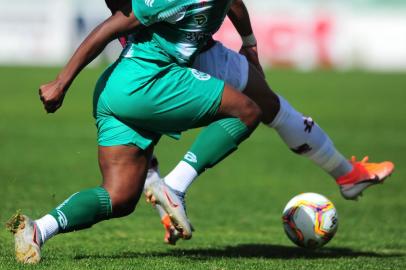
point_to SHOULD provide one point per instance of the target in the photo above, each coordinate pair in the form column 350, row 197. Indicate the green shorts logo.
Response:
column 200, row 75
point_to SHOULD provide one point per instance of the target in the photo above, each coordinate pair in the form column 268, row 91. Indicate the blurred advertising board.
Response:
column 35, row 32
column 341, row 34
column 314, row 34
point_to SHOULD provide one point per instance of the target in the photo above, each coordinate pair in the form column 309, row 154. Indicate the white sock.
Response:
column 181, row 177
column 304, row 137
column 48, row 226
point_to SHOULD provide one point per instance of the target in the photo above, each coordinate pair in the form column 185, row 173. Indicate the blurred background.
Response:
column 304, row 34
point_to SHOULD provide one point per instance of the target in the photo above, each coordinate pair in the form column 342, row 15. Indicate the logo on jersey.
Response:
column 200, row 75
column 149, row 3
column 200, row 19
column 190, row 157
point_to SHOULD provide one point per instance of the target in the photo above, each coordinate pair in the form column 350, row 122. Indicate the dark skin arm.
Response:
column 121, row 22
column 239, row 16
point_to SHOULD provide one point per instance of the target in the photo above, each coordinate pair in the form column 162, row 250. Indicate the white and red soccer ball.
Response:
column 310, row 220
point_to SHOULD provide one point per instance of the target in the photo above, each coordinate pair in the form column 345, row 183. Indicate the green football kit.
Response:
column 149, row 90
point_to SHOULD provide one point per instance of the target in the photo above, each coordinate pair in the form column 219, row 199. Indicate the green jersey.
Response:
column 177, row 29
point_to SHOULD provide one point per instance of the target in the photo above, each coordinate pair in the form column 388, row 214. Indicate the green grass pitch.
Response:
column 236, row 207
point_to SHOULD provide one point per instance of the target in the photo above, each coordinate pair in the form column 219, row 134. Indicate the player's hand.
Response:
column 251, row 52
column 52, row 95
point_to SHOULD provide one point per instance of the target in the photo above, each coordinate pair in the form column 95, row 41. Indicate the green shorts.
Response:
column 137, row 101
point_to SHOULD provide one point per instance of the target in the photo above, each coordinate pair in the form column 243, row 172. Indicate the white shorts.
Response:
column 224, row 64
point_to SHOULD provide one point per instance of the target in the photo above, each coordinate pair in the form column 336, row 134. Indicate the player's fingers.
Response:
column 51, row 110
column 48, row 108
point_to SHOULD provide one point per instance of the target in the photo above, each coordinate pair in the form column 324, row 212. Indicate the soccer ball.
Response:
column 310, row 220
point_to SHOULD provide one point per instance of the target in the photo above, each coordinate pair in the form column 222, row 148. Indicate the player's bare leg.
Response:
column 123, row 168
column 235, row 104
column 259, row 91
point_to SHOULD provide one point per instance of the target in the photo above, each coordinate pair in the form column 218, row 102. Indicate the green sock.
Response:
column 216, row 142
column 83, row 209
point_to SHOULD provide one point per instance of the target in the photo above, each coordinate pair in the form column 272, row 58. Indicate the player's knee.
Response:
column 251, row 114
column 123, row 207
column 123, row 203
column 123, row 210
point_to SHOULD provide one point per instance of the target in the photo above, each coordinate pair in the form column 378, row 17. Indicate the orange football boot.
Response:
column 362, row 176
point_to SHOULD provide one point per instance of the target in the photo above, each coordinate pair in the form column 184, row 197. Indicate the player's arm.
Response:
column 240, row 18
column 120, row 23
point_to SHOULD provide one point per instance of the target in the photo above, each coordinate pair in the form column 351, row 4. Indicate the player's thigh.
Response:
column 176, row 99
column 124, row 169
column 224, row 64
column 235, row 70
column 113, row 131
column 191, row 98
column 238, row 105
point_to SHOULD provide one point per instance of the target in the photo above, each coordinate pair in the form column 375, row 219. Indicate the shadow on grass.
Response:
column 251, row 251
